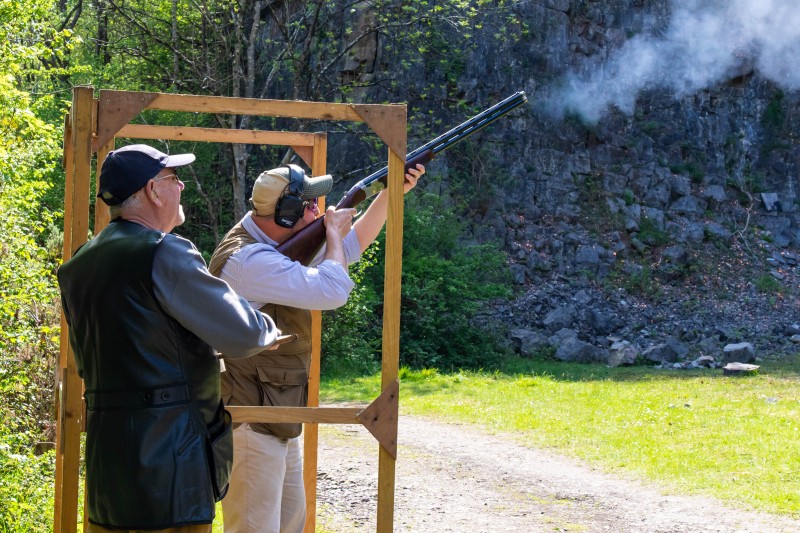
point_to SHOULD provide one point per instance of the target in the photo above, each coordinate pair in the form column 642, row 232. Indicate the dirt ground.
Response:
column 454, row 478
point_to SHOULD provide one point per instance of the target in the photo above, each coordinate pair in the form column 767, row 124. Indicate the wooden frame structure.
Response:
column 92, row 126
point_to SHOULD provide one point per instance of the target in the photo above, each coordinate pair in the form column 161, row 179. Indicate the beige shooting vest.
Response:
column 273, row 377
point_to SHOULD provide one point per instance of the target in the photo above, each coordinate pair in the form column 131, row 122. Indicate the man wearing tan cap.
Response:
column 266, row 492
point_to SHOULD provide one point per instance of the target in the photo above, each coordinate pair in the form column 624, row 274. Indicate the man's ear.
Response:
column 152, row 195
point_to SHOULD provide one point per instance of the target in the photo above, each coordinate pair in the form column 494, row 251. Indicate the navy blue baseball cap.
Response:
column 129, row 168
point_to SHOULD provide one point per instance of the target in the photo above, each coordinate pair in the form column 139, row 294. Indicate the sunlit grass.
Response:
column 736, row 438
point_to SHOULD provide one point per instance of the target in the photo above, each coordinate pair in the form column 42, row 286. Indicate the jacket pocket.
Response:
column 219, row 444
column 284, row 387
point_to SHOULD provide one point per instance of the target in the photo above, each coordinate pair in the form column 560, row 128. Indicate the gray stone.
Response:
column 742, row 352
column 688, row 205
column 518, row 273
column 739, row 369
column 529, row 342
column 716, row 231
column 705, row 361
column 622, row 353
column 770, row 201
column 578, row 351
column 695, row 232
column 715, row 194
column 602, row 323
column 587, row 258
column 676, row 254
column 561, row 336
column 680, row 186
column 561, row 317
column 657, row 197
column 669, row 351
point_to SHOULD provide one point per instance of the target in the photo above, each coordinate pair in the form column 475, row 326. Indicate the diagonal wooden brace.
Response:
column 117, row 109
column 380, row 418
column 388, row 122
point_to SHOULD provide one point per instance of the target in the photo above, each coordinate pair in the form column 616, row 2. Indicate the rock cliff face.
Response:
column 652, row 182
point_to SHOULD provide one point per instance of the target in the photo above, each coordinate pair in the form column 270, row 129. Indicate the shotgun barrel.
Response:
column 306, row 243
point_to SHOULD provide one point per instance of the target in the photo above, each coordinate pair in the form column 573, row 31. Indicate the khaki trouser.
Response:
column 266, row 493
column 202, row 528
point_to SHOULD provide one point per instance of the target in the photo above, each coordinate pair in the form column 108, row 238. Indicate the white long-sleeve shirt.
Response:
column 261, row 274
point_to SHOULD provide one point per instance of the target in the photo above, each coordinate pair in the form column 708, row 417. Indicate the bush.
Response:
column 444, row 285
column 351, row 335
column 26, row 485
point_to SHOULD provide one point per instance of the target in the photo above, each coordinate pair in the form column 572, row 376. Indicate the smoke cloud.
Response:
column 706, row 43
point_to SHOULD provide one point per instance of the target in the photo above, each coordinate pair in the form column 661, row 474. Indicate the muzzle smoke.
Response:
column 706, row 42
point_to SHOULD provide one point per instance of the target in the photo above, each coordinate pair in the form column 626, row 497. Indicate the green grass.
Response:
column 736, row 438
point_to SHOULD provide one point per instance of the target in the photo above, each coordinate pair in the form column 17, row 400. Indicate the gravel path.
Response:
column 454, row 478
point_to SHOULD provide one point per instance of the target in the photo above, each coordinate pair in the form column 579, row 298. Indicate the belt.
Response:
column 137, row 399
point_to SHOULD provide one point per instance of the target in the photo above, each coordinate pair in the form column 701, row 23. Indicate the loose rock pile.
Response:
column 725, row 304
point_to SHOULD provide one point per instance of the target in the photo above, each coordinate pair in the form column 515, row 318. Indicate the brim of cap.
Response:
column 317, row 186
column 179, row 160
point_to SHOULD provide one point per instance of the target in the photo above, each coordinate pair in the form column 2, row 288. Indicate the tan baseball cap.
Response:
column 271, row 185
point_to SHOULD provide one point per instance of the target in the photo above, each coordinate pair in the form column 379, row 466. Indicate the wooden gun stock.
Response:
column 304, row 245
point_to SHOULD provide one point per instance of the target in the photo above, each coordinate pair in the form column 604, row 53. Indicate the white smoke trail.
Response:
column 706, row 43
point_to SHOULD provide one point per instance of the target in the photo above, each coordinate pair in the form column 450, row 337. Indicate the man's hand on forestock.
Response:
column 412, row 176
column 338, row 221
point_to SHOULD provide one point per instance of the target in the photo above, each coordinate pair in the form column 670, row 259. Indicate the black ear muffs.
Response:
column 291, row 206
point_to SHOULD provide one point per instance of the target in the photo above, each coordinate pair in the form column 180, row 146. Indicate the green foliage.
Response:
column 694, row 170
column 640, row 281
column 351, row 335
column 767, row 284
column 774, row 115
column 26, row 485
column 650, row 234
column 32, row 52
column 629, row 197
column 445, row 283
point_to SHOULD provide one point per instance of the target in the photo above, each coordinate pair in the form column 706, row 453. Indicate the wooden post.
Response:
column 391, row 328
column 76, row 228
column 311, row 431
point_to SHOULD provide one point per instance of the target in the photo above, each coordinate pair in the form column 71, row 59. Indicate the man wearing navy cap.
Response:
column 145, row 317
column 266, row 491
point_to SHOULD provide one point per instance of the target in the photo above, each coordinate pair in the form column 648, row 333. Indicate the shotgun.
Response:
column 304, row 245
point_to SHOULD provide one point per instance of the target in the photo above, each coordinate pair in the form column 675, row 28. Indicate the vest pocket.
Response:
column 219, row 444
column 284, row 387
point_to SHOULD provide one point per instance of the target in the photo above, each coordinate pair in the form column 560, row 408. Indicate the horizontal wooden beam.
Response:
column 256, row 106
column 187, row 133
column 306, row 415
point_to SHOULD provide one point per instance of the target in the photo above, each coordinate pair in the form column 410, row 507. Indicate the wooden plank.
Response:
column 82, row 123
column 393, row 270
column 306, row 415
column 222, row 135
column 391, row 326
column 64, row 340
column 102, row 215
column 386, row 482
column 255, row 106
column 319, row 165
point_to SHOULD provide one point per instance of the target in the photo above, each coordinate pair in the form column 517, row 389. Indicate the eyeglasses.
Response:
column 168, row 176
column 310, row 204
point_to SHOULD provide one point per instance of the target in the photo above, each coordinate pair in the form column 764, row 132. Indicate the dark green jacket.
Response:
column 158, row 442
